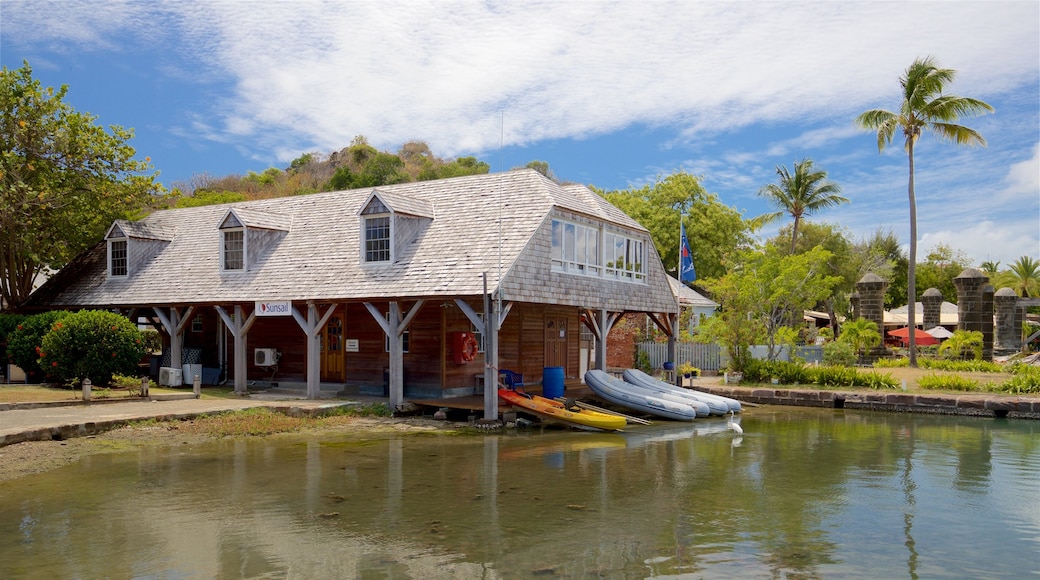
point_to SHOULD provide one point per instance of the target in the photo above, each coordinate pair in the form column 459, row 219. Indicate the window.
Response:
column 377, row 239
column 478, row 333
column 117, row 263
column 196, row 323
column 576, row 249
column 406, row 337
column 234, row 255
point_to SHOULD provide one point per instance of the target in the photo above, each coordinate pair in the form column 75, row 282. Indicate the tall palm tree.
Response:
column 800, row 194
column 1024, row 276
column 924, row 107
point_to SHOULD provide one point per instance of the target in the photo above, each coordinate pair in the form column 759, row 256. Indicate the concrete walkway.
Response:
column 49, row 421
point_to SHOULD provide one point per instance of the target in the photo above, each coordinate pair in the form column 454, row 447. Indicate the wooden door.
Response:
column 556, row 341
column 332, row 350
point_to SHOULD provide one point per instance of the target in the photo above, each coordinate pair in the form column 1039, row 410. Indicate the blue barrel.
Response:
column 552, row 382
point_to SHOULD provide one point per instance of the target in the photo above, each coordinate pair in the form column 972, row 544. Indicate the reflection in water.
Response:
column 804, row 493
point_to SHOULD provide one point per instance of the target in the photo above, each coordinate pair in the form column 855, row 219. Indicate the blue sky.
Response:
column 610, row 94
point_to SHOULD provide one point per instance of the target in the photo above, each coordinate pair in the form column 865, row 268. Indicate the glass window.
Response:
column 577, row 249
column 377, row 239
column 117, row 257
column 234, row 250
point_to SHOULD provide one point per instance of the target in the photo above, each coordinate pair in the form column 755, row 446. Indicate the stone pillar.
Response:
column 972, row 313
column 871, row 306
column 1007, row 336
column 931, row 303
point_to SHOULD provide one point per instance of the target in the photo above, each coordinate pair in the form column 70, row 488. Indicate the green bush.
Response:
column 92, row 344
column 892, row 363
column 948, row 383
column 839, row 353
column 876, row 380
column 1025, row 380
column 8, row 324
column 153, row 341
column 25, row 343
column 835, row 376
column 972, row 366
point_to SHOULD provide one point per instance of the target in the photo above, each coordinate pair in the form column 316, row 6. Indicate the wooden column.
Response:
column 394, row 325
column 491, row 324
column 174, row 323
column 312, row 326
column 239, row 328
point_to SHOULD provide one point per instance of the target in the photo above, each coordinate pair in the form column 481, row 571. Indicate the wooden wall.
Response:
column 429, row 361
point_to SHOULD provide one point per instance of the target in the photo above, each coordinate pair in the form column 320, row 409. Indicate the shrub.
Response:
column 948, row 383
column 8, row 324
column 835, row 376
column 876, row 380
column 892, row 363
column 973, row 366
column 1025, row 380
column 92, row 344
column 839, row 353
column 25, row 343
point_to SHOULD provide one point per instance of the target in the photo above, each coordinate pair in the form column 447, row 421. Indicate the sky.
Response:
column 609, row 94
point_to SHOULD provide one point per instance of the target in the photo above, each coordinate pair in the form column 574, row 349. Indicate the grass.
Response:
column 43, row 393
column 915, row 376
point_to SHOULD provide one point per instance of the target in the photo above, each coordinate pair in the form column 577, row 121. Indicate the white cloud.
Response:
column 444, row 70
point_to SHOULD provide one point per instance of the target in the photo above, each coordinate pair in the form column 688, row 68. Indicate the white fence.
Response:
column 711, row 357
column 707, row 357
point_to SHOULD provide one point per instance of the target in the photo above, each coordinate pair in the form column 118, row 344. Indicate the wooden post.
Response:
column 86, row 390
column 144, row 387
column 196, row 386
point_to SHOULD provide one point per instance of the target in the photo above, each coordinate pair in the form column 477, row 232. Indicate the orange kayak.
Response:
column 555, row 411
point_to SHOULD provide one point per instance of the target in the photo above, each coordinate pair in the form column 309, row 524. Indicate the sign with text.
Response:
column 283, row 308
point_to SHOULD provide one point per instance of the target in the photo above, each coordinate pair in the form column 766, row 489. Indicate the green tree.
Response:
column 716, row 231
column 1024, row 277
column 941, row 266
column 962, row 344
column 760, row 292
column 63, row 180
column 923, row 107
column 205, row 197
column 861, row 334
column 800, row 194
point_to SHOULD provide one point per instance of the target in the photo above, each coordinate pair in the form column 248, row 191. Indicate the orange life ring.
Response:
column 469, row 348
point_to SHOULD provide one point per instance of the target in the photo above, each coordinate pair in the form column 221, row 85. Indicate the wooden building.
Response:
column 423, row 289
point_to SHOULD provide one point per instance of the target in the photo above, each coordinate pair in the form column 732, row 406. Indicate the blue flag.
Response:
column 687, row 273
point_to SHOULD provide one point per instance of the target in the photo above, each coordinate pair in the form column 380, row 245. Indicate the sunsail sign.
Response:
column 283, row 308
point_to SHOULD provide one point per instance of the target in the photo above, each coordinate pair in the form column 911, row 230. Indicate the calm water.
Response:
column 805, row 493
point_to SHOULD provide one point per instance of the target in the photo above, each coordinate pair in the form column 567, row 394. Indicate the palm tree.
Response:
column 1025, row 276
column 991, row 268
column 800, row 194
column 923, row 107
column 861, row 334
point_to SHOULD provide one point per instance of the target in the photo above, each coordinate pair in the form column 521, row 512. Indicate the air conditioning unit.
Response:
column 170, row 377
column 265, row 357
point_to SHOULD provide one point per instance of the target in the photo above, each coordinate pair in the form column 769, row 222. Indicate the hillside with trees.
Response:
column 355, row 166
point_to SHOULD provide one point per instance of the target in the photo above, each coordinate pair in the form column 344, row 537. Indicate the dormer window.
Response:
column 377, row 239
column 233, row 257
column 117, row 257
column 390, row 224
column 248, row 236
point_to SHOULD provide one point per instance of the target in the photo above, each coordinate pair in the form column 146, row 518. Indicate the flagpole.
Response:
column 678, row 271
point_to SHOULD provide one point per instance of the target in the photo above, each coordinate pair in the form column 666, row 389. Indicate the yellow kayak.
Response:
column 555, row 411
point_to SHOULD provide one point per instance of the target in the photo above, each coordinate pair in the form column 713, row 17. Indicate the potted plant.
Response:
column 688, row 371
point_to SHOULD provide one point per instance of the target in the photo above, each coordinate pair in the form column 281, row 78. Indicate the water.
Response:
column 805, row 493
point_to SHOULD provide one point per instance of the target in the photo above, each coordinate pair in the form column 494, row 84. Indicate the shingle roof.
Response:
column 688, row 296
column 485, row 223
